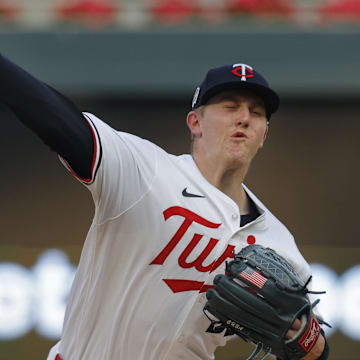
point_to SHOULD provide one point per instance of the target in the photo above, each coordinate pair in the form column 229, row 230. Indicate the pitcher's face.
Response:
column 232, row 126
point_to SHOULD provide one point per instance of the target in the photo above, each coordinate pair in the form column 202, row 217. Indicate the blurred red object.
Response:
column 213, row 13
column 342, row 10
column 8, row 12
column 260, row 7
column 94, row 12
column 174, row 11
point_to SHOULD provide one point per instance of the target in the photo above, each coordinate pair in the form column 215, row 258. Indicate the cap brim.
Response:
column 270, row 97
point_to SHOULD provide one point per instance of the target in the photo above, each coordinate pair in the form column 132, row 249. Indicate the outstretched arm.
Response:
column 52, row 116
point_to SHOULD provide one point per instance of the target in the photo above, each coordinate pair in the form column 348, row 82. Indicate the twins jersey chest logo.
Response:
column 177, row 285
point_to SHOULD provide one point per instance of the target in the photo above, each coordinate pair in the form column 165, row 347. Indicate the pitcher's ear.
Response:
column 193, row 122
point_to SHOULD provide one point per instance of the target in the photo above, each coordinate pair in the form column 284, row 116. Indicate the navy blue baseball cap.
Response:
column 236, row 76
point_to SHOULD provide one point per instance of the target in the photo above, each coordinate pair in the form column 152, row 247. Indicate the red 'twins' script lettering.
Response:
column 177, row 285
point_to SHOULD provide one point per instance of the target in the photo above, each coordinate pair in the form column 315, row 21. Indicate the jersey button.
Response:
column 251, row 239
column 234, row 216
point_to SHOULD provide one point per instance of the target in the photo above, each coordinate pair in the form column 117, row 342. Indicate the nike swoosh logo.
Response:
column 187, row 194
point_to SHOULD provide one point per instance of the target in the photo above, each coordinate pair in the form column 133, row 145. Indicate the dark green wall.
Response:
column 297, row 63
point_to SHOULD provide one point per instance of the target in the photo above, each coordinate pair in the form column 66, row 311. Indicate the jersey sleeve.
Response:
column 123, row 169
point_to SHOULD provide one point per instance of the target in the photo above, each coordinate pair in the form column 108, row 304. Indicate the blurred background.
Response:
column 136, row 64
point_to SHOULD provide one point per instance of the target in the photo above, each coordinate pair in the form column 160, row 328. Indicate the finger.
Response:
column 296, row 324
column 290, row 334
column 295, row 327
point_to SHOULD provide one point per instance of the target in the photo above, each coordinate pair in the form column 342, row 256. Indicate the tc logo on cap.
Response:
column 243, row 71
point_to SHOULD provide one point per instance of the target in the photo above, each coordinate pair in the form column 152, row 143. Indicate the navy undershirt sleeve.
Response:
column 52, row 116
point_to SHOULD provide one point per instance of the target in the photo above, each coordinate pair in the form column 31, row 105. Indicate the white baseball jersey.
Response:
column 160, row 234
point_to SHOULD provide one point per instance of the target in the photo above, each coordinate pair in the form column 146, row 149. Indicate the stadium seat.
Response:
column 260, row 7
column 343, row 11
column 8, row 12
column 93, row 12
column 173, row 11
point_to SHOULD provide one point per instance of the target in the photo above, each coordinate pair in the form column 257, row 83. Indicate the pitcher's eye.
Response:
column 230, row 105
column 257, row 112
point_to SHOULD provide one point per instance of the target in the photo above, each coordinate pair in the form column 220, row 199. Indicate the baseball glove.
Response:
column 258, row 299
